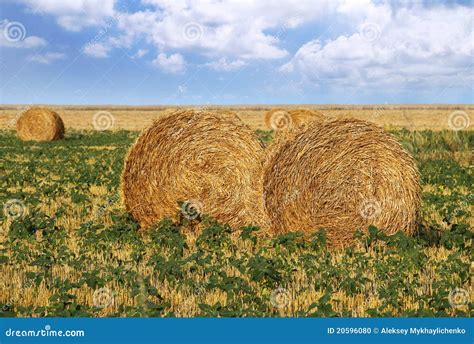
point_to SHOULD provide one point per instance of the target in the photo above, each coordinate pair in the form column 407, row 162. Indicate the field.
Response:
column 413, row 117
column 68, row 248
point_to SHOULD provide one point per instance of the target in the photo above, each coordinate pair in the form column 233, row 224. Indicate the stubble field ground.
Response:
column 71, row 249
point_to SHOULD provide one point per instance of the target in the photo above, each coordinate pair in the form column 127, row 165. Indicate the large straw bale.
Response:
column 341, row 175
column 210, row 161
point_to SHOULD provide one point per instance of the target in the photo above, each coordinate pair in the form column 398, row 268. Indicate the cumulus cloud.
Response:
column 222, row 65
column 243, row 30
column 391, row 47
column 47, row 58
column 74, row 15
column 101, row 46
column 27, row 43
column 373, row 43
column 97, row 50
column 170, row 64
column 140, row 53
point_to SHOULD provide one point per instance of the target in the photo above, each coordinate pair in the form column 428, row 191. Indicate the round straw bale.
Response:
column 282, row 120
column 342, row 175
column 299, row 119
column 210, row 161
column 40, row 124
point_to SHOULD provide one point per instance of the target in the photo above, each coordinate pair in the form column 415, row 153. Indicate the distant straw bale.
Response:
column 283, row 120
column 40, row 124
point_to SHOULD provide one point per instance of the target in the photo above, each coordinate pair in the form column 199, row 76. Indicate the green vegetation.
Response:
column 68, row 248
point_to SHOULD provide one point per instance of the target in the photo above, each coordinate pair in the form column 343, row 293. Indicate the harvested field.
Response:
column 413, row 117
column 70, row 248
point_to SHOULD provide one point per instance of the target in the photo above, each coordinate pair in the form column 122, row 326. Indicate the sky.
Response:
column 171, row 52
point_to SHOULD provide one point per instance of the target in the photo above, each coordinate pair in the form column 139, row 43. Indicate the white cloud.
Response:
column 140, row 53
column 73, row 15
column 28, row 43
column 241, row 30
column 98, row 50
column 100, row 47
column 47, row 58
column 431, row 45
column 222, row 65
column 14, row 35
column 375, row 43
column 170, row 64
column 238, row 30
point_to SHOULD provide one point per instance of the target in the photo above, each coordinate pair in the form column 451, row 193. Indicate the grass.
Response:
column 75, row 252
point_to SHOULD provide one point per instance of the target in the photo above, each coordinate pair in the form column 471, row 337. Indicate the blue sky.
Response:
column 236, row 52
